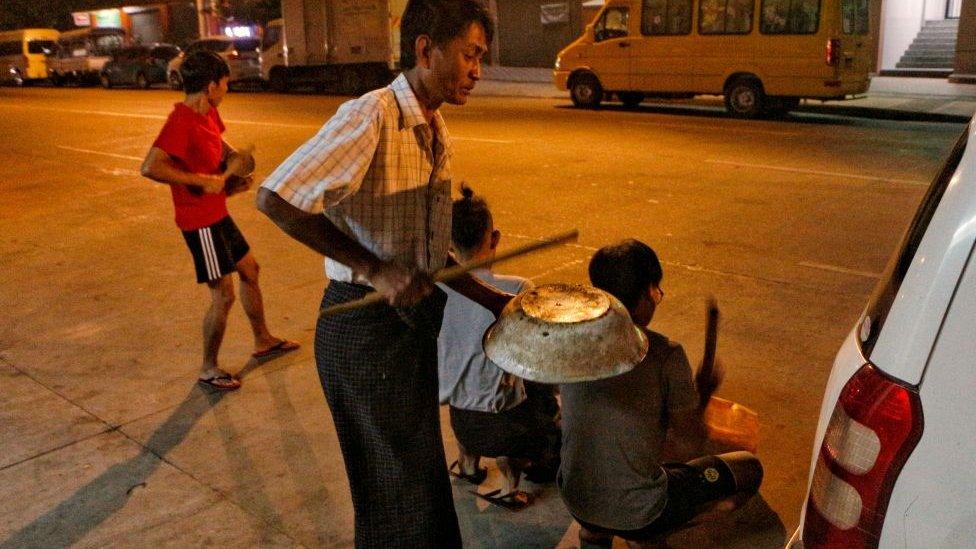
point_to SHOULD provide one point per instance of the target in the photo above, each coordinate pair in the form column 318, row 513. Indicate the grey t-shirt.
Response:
column 468, row 379
column 613, row 433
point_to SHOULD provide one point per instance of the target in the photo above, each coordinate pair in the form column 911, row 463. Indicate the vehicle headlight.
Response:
column 559, row 62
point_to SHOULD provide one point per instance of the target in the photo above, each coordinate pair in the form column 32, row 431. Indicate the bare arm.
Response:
column 399, row 285
column 160, row 167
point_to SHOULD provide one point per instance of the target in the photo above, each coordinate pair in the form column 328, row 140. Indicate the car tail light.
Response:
column 875, row 426
column 832, row 52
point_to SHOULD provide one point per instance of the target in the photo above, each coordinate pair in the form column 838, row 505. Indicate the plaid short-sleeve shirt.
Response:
column 382, row 175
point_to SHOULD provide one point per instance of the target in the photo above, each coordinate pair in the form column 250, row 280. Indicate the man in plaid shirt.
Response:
column 371, row 192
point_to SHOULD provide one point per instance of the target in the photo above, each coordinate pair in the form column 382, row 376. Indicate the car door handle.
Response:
column 624, row 44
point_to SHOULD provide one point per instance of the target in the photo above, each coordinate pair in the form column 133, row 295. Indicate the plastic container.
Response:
column 731, row 426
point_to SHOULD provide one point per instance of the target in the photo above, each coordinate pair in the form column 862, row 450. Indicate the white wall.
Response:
column 935, row 10
column 900, row 22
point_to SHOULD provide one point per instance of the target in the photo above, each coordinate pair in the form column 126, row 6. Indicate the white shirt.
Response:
column 377, row 172
column 468, row 379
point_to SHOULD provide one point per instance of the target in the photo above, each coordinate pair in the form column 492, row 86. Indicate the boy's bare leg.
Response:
column 215, row 323
column 253, row 303
column 511, row 470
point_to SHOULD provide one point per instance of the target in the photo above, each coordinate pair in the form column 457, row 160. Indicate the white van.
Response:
column 83, row 53
column 893, row 460
column 24, row 55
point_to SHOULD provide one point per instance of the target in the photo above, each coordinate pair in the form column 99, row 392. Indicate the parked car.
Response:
column 24, row 55
column 140, row 66
column 243, row 56
column 82, row 54
column 893, row 457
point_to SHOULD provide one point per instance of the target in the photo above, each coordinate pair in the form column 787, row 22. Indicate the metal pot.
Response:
column 563, row 333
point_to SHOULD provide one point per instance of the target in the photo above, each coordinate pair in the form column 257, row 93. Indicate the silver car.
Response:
column 243, row 56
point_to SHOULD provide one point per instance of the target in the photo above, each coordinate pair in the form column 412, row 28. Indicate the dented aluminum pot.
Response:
column 562, row 333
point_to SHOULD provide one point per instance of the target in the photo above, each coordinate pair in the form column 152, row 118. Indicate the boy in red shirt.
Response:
column 188, row 156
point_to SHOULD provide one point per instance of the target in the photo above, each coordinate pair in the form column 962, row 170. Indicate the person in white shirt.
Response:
column 371, row 192
column 491, row 413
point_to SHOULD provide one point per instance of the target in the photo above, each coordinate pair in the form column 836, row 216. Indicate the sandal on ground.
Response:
column 283, row 346
column 516, row 500
column 223, row 382
column 475, row 478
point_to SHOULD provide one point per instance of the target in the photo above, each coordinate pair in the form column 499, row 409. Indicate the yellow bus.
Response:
column 762, row 55
column 24, row 54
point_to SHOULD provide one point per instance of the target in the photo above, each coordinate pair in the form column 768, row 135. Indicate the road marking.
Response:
column 481, row 140
column 125, row 156
column 817, row 172
column 723, row 128
column 120, row 172
column 836, row 269
column 233, row 121
column 558, row 268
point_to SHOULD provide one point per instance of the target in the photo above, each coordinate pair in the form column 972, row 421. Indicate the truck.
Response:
column 340, row 46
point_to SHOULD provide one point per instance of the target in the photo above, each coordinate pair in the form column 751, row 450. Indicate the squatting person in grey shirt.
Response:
column 611, row 477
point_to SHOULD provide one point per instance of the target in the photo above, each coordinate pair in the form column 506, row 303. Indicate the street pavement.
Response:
column 106, row 439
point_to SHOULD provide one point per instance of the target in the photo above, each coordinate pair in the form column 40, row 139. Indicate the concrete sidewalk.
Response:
column 932, row 99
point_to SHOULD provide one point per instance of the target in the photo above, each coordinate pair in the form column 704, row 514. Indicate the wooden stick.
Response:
column 450, row 273
column 711, row 342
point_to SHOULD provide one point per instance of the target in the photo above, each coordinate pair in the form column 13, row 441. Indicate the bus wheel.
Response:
column 18, row 78
column 744, row 98
column 106, row 81
column 631, row 99
column 175, row 81
column 586, row 92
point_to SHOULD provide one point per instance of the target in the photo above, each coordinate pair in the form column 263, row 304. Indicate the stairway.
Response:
column 934, row 48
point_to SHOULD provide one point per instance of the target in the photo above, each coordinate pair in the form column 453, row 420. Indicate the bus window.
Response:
column 725, row 16
column 41, row 46
column 666, row 17
column 613, row 24
column 855, row 16
column 11, row 48
column 790, row 16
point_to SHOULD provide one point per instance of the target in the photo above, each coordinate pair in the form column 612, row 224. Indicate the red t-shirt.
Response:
column 193, row 141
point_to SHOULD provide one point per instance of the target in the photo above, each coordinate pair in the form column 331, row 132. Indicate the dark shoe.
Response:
column 476, row 478
column 515, row 500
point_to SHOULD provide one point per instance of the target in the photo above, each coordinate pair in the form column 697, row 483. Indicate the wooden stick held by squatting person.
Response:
column 451, row 273
column 709, row 373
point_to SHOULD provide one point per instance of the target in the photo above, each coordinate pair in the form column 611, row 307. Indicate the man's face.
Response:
column 456, row 67
column 217, row 91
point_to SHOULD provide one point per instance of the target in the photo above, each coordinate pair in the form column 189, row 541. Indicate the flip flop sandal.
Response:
column 280, row 348
column 476, row 478
column 223, row 382
column 514, row 501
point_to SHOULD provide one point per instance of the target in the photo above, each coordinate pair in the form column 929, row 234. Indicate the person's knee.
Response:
column 746, row 469
column 222, row 294
column 248, row 269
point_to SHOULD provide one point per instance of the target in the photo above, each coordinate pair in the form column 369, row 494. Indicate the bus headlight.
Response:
column 559, row 62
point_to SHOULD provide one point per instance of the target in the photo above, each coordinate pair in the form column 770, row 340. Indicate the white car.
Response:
column 243, row 56
column 893, row 462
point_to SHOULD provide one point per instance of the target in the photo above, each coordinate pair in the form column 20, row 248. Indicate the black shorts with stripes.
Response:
column 216, row 249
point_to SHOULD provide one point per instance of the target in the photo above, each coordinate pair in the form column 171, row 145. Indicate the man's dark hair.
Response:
column 626, row 270
column 442, row 20
column 470, row 220
column 200, row 69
